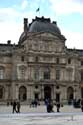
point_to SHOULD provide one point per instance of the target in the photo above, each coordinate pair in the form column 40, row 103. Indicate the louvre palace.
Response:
column 40, row 65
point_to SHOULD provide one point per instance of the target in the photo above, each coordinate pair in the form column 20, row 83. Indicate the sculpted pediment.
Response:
column 45, row 41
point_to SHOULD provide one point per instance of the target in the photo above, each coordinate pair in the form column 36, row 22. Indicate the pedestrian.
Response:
column 50, row 107
column 81, row 104
column 14, row 106
column 18, row 106
column 58, row 106
column 46, row 102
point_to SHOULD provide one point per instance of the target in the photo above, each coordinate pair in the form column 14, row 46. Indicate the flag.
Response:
column 37, row 9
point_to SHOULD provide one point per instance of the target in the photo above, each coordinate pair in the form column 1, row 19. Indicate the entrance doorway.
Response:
column 70, row 94
column 47, row 92
column 22, row 93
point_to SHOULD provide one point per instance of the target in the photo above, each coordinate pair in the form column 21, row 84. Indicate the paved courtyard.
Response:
column 40, row 109
column 38, row 116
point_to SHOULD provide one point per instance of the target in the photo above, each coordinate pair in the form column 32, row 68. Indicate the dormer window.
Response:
column 69, row 61
column 36, row 59
column 22, row 58
column 57, row 60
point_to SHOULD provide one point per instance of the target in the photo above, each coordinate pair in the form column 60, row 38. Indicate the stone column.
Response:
column 6, row 92
column 28, row 93
column 13, row 91
column 52, row 91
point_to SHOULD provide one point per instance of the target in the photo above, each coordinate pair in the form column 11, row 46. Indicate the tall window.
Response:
column 46, row 73
column 22, row 58
column 57, row 74
column 22, row 72
column 57, row 60
column 69, row 75
column 69, row 61
column 1, row 73
column 36, row 73
column 36, row 59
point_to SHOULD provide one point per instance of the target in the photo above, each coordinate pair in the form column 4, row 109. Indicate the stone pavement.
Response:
column 40, row 109
column 24, row 118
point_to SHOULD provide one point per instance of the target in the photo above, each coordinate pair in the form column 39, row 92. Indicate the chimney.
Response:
column 54, row 22
column 9, row 42
column 25, row 25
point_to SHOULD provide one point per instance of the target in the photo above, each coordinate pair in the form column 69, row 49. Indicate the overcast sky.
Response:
column 67, row 13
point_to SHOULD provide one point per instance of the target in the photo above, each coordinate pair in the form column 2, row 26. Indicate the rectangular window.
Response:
column 22, row 58
column 57, row 74
column 70, row 75
column 1, row 73
column 46, row 73
column 36, row 74
column 69, row 61
column 57, row 60
column 22, row 73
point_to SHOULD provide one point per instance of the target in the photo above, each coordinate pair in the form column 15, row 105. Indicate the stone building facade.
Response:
column 40, row 65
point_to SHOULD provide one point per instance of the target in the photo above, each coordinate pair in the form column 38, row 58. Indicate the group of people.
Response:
column 49, row 106
column 16, row 106
column 34, row 103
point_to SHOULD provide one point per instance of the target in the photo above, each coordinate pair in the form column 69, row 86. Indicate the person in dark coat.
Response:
column 18, row 106
column 81, row 104
column 58, row 106
column 14, row 106
column 50, row 107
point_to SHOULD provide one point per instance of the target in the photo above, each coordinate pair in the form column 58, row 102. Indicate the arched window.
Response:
column 22, row 93
column 70, row 93
column 47, row 92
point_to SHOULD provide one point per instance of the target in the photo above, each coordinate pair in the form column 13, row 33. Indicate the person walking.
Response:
column 14, row 106
column 58, row 106
column 18, row 106
column 50, row 107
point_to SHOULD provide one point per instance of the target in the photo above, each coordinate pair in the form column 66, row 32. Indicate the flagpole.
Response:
column 38, row 9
